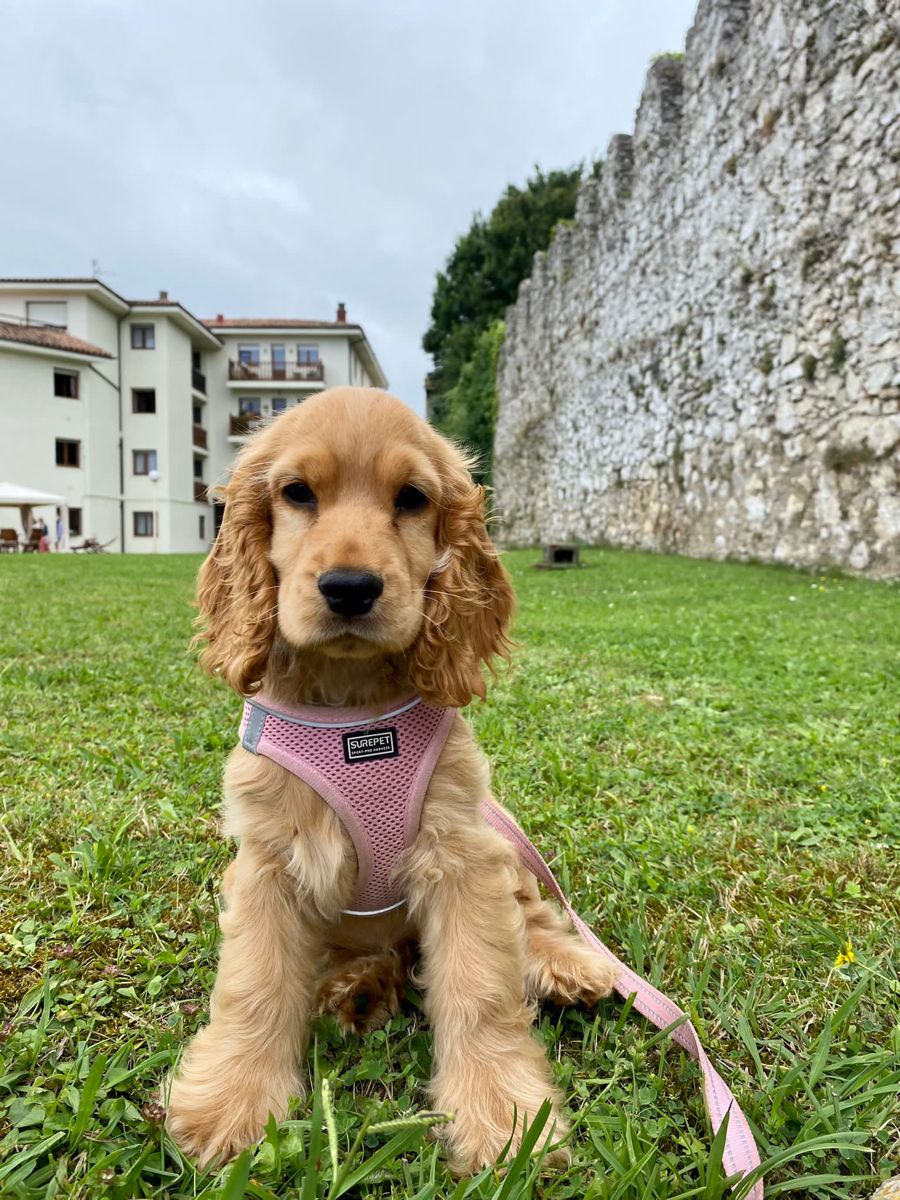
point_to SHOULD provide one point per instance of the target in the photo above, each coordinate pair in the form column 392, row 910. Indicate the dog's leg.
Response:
column 490, row 1071
column 559, row 966
column 244, row 1064
column 364, row 990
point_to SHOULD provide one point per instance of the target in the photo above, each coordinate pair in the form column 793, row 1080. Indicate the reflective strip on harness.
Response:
column 256, row 719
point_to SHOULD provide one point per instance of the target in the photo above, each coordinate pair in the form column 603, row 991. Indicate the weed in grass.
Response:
column 709, row 749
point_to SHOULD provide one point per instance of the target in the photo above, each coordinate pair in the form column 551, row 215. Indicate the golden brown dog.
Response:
column 353, row 479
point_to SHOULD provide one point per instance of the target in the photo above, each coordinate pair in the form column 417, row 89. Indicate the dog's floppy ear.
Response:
column 236, row 590
column 469, row 600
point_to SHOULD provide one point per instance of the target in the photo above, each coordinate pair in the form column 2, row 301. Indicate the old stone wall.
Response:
column 708, row 359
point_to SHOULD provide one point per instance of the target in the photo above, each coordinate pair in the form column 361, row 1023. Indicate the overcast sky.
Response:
column 273, row 158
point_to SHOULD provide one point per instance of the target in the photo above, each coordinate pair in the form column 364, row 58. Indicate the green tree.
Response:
column 480, row 280
column 471, row 406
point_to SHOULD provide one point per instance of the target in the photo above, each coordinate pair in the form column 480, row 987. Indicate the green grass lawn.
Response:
column 708, row 750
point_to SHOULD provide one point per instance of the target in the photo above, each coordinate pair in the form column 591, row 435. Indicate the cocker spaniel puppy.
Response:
column 353, row 568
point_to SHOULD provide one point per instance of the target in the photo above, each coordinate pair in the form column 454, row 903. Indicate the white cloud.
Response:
column 279, row 157
column 255, row 186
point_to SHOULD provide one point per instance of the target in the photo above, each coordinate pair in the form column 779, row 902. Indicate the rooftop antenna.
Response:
column 96, row 270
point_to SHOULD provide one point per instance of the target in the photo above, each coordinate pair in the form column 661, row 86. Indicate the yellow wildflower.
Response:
column 845, row 955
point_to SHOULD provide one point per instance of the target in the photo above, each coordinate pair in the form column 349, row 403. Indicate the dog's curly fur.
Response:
column 490, row 946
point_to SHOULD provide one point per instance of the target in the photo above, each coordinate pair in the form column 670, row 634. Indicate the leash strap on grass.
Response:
column 740, row 1154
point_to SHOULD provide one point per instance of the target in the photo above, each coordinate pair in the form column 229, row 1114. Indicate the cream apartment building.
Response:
column 130, row 409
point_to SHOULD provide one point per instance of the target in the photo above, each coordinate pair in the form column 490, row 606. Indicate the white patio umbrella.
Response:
column 14, row 495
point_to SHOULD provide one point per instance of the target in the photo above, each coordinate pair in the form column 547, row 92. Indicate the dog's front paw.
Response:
column 213, row 1129
column 473, row 1144
column 216, row 1107
column 493, row 1114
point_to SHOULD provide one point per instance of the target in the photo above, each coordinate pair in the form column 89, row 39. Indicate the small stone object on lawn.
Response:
column 559, row 555
column 889, row 1190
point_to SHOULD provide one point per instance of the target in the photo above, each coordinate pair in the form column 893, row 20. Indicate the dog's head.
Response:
column 354, row 531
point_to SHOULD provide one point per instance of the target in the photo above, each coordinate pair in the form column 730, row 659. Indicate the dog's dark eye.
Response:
column 410, row 499
column 300, row 494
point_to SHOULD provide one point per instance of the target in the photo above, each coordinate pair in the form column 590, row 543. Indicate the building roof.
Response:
column 222, row 325
column 202, row 330
column 161, row 302
column 191, row 325
column 274, row 323
column 48, row 339
column 50, row 279
column 69, row 283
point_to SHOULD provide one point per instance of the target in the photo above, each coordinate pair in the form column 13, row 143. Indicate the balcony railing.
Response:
column 199, row 437
column 198, row 380
column 269, row 372
column 243, row 425
column 199, row 490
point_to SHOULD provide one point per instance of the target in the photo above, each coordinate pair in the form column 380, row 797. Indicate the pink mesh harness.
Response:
column 373, row 770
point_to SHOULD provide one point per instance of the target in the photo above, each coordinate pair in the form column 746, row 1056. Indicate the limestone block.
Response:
column 879, row 376
column 883, row 435
column 887, row 520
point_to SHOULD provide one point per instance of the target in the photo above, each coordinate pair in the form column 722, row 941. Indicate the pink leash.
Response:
column 740, row 1154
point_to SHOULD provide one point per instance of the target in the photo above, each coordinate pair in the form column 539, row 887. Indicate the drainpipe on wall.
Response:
column 118, row 389
column 121, row 439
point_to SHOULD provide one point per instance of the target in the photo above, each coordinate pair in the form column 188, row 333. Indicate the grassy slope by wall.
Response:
column 710, row 750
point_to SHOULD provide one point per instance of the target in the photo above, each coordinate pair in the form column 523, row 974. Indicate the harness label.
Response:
column 379, row 743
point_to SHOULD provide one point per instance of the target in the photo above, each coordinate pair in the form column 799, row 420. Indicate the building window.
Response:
column 203, row 527
column 198, row 468
column 144, row 461
column 143, row 400
column 75, row 521
column 250, row 406
column 65, row 383
column 278, row 362
column 249, row 355
column 47, row 312
column 143, row 524
column 307, row 354
column 68, row 454
column 279, row 404
column 143, row 337
column 197, row 414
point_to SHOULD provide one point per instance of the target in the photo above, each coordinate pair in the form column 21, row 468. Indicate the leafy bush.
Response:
column 481, row 279
column 472, row 405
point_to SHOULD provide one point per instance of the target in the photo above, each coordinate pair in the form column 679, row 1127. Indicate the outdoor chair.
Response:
column 9, row 541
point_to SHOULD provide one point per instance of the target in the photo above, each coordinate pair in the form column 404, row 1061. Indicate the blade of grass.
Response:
column 313, row 1174
column 519, row 1164
column 86, row 1102
column 238, row 1177
column 331, row 1126
column 399, row 1143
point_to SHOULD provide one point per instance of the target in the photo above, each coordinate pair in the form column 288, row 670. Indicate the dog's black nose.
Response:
column 350, row 593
